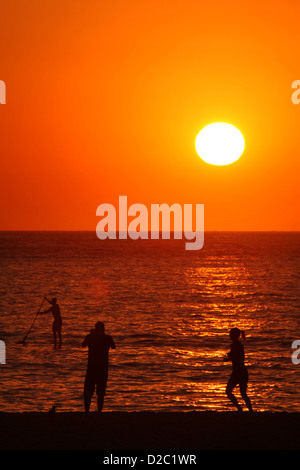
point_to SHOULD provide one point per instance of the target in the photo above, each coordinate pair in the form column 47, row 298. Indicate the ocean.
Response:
column 168, row 310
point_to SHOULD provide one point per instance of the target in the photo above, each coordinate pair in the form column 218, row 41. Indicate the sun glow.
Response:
column 220, row 144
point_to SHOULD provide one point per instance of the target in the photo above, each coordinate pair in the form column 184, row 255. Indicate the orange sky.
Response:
column 106, row 98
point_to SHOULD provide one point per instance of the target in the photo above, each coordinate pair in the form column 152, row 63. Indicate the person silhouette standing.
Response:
column 57, row 323
column 239, row 374
column 98, row 344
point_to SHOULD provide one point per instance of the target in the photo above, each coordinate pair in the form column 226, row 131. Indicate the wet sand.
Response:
column 149, row 431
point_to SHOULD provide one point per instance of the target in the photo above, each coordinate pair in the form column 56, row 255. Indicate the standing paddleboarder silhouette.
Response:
column 57, row 323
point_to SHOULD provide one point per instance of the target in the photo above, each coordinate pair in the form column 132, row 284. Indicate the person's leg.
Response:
column 59, row 332
column 100, row 402
column 56, row 329
column 89, row 387
column 243, row 390
column 230, row 386
column 101, row 389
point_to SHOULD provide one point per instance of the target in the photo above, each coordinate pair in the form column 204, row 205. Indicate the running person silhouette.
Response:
column 57, row 323
column 239, row 374
column 97, row 369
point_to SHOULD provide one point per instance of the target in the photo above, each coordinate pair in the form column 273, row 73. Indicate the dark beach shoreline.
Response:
column 150, row 431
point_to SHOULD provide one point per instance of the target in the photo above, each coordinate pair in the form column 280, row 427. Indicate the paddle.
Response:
column 25, row 337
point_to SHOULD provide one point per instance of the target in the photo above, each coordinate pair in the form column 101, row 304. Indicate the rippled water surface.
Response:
column 169, row 311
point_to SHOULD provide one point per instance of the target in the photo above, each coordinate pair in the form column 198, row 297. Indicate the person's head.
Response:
column 54, row 300
column 99, row 327
column 235, row 333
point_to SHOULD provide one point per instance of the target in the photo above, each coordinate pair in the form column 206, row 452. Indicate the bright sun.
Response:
column 220, row 144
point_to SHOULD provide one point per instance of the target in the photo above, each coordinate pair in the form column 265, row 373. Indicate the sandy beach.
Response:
column 149, row 431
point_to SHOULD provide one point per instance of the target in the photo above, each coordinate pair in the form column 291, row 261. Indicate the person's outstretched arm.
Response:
column 46, row 311
column 85, row 342
column 227, row 358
